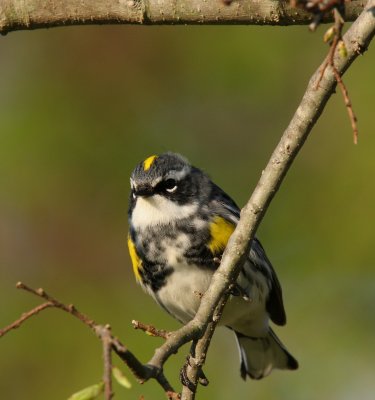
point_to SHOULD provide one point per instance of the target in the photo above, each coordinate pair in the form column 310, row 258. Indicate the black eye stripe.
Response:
column 166, row 185
column 170, row 183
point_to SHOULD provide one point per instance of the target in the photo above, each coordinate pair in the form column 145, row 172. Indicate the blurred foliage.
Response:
column 80, row 106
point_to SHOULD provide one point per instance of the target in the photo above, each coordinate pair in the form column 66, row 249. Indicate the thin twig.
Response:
column 70, row 309
column 330, row 61
column 348, row 104
column 103, row 332
column 150, row 329
column 16, row 324
column 339, row 24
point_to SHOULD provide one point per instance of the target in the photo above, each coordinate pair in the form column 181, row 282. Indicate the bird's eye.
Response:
column 170, row 185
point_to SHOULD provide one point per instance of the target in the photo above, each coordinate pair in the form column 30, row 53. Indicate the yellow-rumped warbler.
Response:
column 179, row 226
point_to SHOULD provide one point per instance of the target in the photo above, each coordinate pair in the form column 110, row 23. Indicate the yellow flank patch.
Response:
column 136, row 261
column 148, row 162
column 220, row 230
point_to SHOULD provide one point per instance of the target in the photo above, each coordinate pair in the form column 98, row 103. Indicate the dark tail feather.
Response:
column 259, row 356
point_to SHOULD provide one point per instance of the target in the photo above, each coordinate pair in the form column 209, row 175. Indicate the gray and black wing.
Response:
column 274, row 303
column 224, row 206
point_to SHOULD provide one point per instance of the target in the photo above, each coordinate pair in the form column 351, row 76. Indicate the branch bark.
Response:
column 34, row 14
column 313, row 102
column 201, row 328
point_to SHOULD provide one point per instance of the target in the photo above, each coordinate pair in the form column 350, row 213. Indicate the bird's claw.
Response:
column 184, row 379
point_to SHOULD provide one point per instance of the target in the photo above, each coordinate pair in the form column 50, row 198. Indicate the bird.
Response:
column 179, row 224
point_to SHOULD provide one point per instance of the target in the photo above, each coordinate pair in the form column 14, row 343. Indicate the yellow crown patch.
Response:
column 148, row 162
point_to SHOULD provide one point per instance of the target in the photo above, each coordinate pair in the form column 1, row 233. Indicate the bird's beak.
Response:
column 144, row 190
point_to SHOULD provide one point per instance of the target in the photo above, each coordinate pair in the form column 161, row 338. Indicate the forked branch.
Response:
column 356, row 40
column 201, row 328
column 103, row 332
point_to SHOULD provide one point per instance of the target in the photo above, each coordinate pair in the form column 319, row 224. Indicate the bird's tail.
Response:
column 259, row 356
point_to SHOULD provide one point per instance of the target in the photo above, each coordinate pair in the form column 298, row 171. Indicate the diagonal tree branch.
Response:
column 34, row 14
column 201, row 328
column 313, row 102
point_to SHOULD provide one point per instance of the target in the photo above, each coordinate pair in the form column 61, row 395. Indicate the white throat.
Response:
column 158, row 210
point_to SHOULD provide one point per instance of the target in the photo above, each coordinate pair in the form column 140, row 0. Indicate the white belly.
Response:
column 181, row 295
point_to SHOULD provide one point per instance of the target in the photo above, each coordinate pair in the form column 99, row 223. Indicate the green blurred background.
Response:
column 80, row 106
